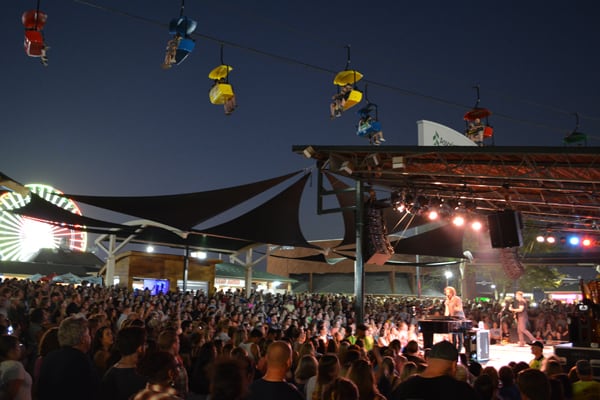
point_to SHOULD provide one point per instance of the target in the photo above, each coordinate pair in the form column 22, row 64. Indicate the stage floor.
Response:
column 502, row 354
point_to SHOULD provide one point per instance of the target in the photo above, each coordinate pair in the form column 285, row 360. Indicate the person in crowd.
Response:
column 159, row 368
column 412, row 353
column 200, row 382
column 484, row 387
column 121, row 381
column 340, row 389
column 229, row 380
column 251, row 344
column 74, row 306
column 273, row 384
column 554, row 371
column 387, row 376
column 437, row 380
column 537, row 349
column 329, row 368
column 306, row 369
column 102, row 347
column 508, row 388
column 168, row 340
column 48, row 343
column 15, row 382
column 520, row 308
column 361, row 373
column 586, row 388
column 533, row 385
column 68, row 373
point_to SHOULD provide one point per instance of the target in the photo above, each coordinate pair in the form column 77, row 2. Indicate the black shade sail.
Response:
column 182, row 211
column 41, row 209
column 275, row 221
column 445, row 241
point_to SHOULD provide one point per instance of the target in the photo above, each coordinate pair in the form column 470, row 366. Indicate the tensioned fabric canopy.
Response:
column 278, row 217
column 182, row 211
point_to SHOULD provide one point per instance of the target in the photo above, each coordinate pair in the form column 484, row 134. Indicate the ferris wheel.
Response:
column 21, row 237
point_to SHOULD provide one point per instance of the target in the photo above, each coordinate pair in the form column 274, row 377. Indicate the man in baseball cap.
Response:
column 437, row 381
column 537, row 349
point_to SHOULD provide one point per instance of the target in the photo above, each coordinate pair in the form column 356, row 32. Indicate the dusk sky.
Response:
column 103, row 118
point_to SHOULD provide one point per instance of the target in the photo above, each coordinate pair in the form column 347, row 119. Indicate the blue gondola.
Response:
column 181, row 44
column 369, row 126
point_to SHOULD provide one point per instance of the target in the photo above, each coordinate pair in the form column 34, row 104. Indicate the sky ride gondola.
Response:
column 34, row 44
column 478, row 126
column 576, row 137
column 221, row 91
column 348, row 94
column 181, row 44
column 368, row 123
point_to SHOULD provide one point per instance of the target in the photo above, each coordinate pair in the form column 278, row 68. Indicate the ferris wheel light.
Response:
column 36, row 235
column 21, row 237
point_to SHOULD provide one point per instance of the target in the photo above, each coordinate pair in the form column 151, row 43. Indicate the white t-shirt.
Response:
column 309, row 388
column 13, row 370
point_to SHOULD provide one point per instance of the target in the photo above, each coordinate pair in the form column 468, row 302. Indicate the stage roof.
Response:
column 554, row 188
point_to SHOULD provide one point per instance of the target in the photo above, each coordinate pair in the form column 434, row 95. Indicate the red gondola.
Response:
column 477, row 130
column 34, row 44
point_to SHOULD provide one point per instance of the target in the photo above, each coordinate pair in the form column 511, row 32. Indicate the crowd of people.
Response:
column 86, row 341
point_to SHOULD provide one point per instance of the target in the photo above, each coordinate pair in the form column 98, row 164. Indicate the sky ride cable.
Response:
column 318, row 68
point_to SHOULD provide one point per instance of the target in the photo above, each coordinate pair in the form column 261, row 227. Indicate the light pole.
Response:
column 448, row 275
column 493, row 287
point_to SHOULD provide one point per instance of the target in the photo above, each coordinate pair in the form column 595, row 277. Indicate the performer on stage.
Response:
column 453, row 308
column 522, row 318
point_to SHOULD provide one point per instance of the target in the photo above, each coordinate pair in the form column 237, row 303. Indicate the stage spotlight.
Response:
column 551, row 239
column 574, row 240
column 476, row 225
column 458, row 221
column 433, row 215
column 540, row 239
column 586, row 242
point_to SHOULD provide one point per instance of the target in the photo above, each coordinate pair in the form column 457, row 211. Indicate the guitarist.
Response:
column 522, row 318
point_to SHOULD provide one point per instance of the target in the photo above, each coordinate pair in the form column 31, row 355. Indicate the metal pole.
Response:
column 359, row 268
column 186, row 267
column 418, row 269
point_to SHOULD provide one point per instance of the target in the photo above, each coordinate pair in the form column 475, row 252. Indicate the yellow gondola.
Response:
column 220, row 72
column 347, row 77
column 354, row 97
column 221, row 91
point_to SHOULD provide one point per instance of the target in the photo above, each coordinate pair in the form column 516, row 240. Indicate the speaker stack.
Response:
column 505, row 229
column 377, row 247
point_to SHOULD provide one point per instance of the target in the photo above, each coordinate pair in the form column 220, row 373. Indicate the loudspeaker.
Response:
column 581, row 330
column 505, row 229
